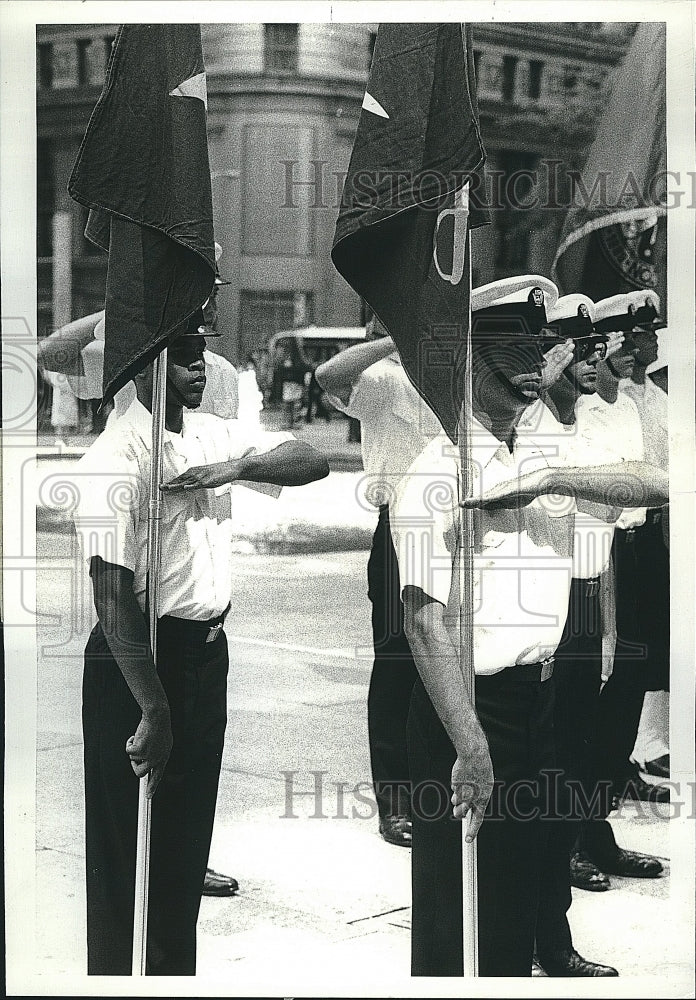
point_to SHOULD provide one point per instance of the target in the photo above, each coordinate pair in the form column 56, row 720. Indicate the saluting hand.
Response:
column 556, row 360
column 472, row 783
column 149, row 748
column 207, row 477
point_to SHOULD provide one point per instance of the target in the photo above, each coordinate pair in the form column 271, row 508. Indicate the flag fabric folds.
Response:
column 143, row 172
column 614, row 236
column 400, row 237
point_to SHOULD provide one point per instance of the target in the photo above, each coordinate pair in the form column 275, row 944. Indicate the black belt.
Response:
column 588, row 586
column 207, row 631
column 653, row 516
column 541, row 671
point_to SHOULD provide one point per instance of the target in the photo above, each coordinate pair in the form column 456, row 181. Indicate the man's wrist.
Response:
column 157, row 710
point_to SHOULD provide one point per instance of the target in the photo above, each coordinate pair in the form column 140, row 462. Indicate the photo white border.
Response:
column 18, row 19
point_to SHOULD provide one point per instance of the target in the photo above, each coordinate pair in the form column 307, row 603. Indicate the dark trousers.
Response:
column 641, row 661
column 577, row 679
column 393, row 676
column 516, row 712
column 194, row 676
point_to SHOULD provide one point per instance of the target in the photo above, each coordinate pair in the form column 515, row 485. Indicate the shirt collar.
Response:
column 485, row 444
column 140, row 420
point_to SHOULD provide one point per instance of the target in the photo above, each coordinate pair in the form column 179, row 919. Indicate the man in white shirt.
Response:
column 522, row 572
column 621, row 698
column 167, row 721
column 77, row 350
column 368, row 383
column 648, row 390
column 592, row 433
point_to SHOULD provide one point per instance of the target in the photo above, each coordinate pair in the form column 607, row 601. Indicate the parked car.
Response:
column 294, row 355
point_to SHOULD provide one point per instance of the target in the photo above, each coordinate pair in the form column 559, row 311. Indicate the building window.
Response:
column 264, row 313
column 535, row 68
column 45, row 62
column 83, row 45
column 45, row 198
column 570, row 78
column 371, row 40
column 509, row 69
column 280, row 50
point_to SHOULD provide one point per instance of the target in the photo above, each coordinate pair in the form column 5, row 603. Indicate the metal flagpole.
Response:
column 466, row 626
column 142, row 856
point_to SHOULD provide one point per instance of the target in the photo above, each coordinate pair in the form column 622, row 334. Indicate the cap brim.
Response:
column 198, row 333
column 658, row 324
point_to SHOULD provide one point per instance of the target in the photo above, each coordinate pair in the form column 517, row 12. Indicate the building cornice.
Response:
column 543, row 38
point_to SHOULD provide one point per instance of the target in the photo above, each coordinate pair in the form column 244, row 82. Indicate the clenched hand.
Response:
column 472, row 783
column 149, row 748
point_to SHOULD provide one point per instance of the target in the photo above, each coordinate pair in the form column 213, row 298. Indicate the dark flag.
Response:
column 614, row 236
column 401, row 232
column 143, row 171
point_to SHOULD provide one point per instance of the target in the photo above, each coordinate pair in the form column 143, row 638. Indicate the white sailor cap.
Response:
column 572, row 317
column 644, row 306
column 515, row 307
column 195, row 327
column 611, row 315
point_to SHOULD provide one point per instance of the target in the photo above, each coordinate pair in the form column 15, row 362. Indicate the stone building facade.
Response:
column 283, row 106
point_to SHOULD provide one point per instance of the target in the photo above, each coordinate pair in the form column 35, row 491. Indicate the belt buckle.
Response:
column 630, row 535
column 592, row 588
column 546, row 668
column 214, row 632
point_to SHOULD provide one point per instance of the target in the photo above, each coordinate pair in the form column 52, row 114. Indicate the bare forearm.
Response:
column 437, row 662
column 126, row 633
column 60, row 352
column 290, row 464
column 339, row 374
column 621, row 484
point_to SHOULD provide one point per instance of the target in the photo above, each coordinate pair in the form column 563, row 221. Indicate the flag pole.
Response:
column 142, row 855
column 466, row 625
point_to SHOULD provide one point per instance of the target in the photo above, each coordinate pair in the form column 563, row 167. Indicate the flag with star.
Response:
column 143, row 172
column 614, row 235
column 400, row 238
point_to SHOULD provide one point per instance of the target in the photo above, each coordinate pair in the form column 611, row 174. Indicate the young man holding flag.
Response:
column 143, row 171
column 167, row 720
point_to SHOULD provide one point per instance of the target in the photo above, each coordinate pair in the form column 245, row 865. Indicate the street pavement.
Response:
column 323, row 906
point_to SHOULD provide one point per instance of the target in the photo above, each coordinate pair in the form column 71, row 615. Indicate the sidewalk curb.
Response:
column 293, row 538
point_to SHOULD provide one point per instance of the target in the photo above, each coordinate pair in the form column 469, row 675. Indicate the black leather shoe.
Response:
column 631, row 864
column 635, row 787
column 396, row 830
column 216, row 884
column 584, row 874
column 659, row 767
column 569, row 963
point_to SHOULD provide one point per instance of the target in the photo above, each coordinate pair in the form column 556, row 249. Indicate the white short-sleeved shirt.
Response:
column 607, row 433
column 522, row 558
column 653, row 409
column 396, row 424
column 602, row 433
column 196, row 527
